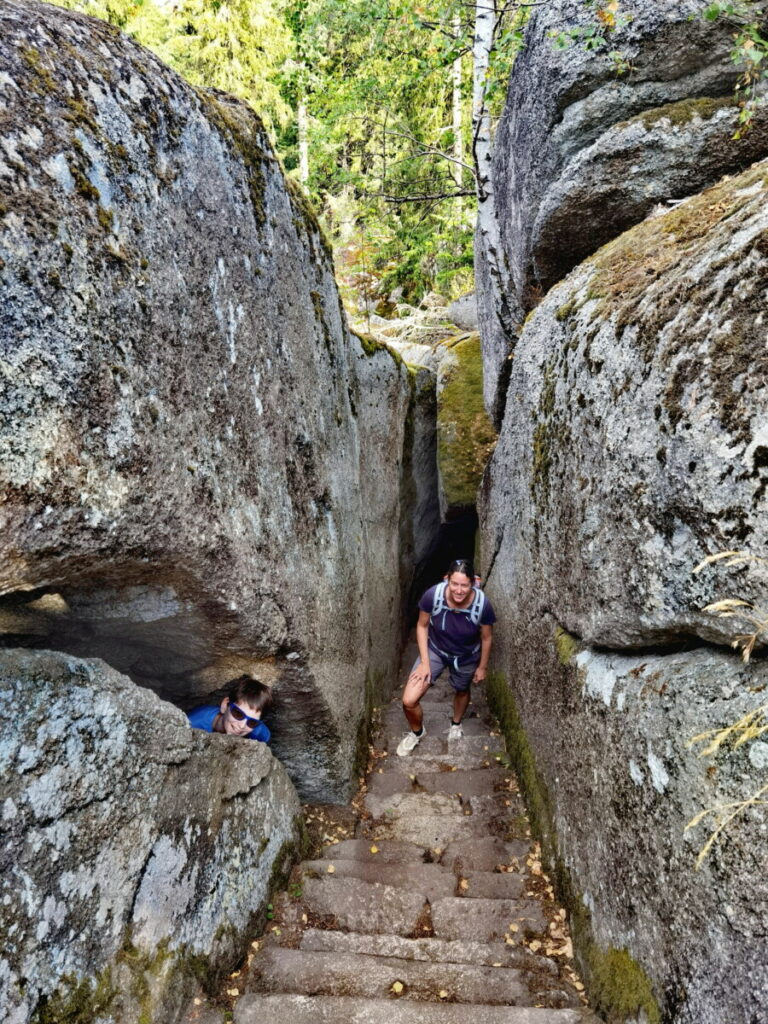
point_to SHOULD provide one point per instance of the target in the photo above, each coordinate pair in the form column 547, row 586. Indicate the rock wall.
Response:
column 202, row 469
column 137, row 852
column 633, row 447
column 591, row 140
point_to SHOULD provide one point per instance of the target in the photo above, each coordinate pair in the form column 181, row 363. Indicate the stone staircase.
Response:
column 437, row 913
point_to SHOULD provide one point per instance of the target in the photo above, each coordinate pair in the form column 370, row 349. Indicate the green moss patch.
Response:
column 76, row 1002
column 684, row 111
column 465, row 435
column 567, row 646
column 619, row 987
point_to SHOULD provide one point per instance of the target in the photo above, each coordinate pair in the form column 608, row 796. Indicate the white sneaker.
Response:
column 409, row 741
column 455, row 732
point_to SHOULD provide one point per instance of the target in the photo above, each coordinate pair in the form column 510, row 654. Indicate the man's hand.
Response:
column 479, row 676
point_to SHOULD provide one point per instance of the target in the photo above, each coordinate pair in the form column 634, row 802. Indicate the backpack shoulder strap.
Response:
column 438, row 601
column 476, row 609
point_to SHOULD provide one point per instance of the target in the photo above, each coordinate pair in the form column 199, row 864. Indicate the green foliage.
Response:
column 749, row 53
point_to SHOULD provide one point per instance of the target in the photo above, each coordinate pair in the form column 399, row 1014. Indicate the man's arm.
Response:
column 486, row 641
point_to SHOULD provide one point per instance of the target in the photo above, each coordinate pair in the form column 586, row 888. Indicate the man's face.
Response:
column 233, row 723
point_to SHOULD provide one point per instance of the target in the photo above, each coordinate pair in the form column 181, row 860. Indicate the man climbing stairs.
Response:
column 437, row 913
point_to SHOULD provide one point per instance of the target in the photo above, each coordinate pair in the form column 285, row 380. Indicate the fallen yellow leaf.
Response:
column 374, row 848
column 496, row 965
column 397, row 987
column 514, row 928
column 233, row 991
column 463, row 884
column 331, row 869
column 534, row 946
column 443, row 994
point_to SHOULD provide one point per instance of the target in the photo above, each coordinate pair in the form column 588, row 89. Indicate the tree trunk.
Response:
column 499, row 322
column 302, row 120
column 458, row 146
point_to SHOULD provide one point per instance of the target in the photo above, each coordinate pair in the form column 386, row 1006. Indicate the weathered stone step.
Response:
column 492, row 885
column 351, row 974
column 430, row 830
column 486, row 920
column 295, row 1009
column 481, row 954
column 414, row 803
column 433, row 881
column 460, row 756
column 489, row 806
column 385, row 852
column 485, row 854
column 363, row 906
column 479, row 782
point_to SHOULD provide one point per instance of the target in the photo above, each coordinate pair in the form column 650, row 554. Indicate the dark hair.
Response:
column 246, row 688
column 463, row 565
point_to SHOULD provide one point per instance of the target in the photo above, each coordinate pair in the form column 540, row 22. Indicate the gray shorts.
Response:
column 460, row 678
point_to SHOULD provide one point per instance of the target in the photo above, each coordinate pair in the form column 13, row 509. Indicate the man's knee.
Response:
column 410, row 703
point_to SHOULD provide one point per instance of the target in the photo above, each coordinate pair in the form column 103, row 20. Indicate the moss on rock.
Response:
column 684, row 111
column 567, row 646
column 617, row 985
column 465, row 435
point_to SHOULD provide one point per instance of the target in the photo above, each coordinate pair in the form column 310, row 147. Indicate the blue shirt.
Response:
column 204, row 717
column 452, row 631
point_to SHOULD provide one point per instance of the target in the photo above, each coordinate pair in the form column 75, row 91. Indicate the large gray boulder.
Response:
column 634, row 446
column 202, row 469
column 137, row 852
column 586, row 148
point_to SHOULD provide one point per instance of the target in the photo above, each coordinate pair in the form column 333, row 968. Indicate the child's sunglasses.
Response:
column 240, row 716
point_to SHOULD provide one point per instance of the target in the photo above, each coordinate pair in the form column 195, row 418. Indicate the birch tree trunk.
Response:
column 497, row 307
column 302, row 123
column 458, row 145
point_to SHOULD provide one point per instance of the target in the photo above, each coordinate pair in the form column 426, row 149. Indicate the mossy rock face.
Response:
column 591, row 147
column 634, row 443
column 464, row 431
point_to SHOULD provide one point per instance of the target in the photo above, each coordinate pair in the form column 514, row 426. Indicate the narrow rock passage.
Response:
column 437, row 912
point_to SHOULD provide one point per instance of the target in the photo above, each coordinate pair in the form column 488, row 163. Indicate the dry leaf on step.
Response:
column 331, row 869
column 397, row 987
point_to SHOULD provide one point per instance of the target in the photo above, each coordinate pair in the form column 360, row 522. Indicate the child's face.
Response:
column 234, row 722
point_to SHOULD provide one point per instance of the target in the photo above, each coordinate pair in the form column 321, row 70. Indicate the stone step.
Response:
column 485, row 854
column 430, row 830
column 433, row 881
column 296, row 1009
column 363, row 906
column 461, row 756
column 480, row 782
column 353, row 974
column 481, row 954
column 492, row 885
column 401, row 805
column 486, row 920
column 384, row 852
